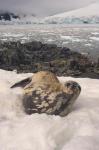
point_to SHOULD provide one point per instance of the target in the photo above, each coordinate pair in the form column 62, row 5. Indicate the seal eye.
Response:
column 68, row 84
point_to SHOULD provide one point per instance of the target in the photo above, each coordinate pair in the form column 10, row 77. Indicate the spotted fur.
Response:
column 45, row 94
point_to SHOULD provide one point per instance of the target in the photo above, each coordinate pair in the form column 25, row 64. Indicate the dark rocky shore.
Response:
column 35, row 56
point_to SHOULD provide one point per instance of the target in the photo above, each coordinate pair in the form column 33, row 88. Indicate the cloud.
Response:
column 42, row 7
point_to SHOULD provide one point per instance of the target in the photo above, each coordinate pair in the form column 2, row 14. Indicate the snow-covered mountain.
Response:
column 88, row 14
column 7, row 16
column 17, row 18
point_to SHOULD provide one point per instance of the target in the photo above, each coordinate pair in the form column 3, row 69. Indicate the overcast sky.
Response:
column 43, row 7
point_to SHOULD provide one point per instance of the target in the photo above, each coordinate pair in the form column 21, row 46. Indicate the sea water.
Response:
column 80, row 38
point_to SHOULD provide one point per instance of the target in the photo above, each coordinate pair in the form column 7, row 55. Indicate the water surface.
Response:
column 81, row 38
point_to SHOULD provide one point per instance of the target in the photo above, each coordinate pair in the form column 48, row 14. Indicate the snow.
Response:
column 77, row 131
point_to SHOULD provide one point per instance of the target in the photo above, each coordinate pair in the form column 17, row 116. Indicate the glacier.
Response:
column 85, row 15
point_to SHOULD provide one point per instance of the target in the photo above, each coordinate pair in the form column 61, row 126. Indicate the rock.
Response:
column 36, row 56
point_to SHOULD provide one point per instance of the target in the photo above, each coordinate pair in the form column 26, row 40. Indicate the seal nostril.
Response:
column 74, row 85
column 79, row 87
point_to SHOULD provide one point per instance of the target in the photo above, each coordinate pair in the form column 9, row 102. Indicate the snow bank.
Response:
column 77, row 131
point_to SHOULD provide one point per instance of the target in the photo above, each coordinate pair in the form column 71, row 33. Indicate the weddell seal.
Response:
column 43, row 93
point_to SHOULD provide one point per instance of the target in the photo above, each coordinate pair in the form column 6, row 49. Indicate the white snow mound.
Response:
column 77, row 131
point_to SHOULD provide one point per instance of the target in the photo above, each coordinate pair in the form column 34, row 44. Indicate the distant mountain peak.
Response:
column 16, row 18
column 7, row 16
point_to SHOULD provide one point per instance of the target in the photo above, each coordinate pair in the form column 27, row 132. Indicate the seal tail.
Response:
column 22, row 83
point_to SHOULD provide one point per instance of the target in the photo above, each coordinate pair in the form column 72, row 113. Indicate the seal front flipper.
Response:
column 22, row 83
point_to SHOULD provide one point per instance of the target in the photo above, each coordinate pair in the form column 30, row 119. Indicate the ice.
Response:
column 3, row 39
column 88, row 44
column 95, row 33
column 66, row 37
column 50, row 40
column 12, row 35
column 71, row 38
column 94, row 38
column 18, row 131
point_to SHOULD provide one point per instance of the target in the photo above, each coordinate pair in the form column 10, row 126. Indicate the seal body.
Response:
column 45, row 94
